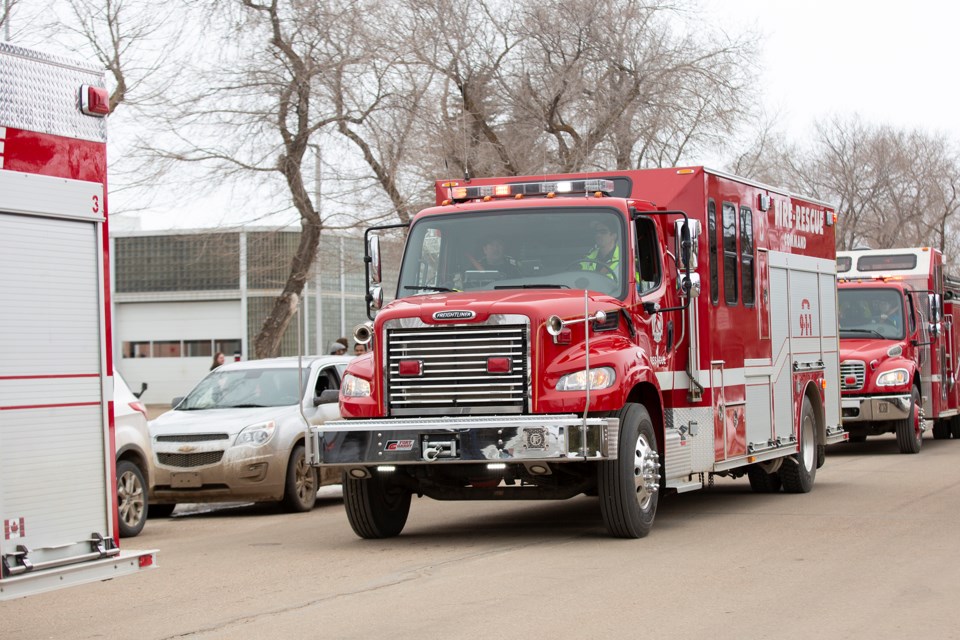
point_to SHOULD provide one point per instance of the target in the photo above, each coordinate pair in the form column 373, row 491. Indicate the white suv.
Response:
column 134, row 458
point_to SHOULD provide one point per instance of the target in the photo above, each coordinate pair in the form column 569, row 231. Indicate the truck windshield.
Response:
column 245, row 388
column 876, row 313
column 569, row 248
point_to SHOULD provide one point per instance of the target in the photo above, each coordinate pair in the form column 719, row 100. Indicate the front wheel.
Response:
column 798, row 472
column 910, row 429
column 300, row 489
column 375, row 507
column 629, row 486
column 131, row 499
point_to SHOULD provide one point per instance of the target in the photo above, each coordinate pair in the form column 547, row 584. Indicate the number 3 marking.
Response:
column 96, row 204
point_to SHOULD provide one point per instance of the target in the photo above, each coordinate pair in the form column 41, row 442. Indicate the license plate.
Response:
column 189, row 480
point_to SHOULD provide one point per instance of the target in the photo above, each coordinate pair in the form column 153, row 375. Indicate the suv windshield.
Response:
column 562, row 247
column 245, row 388
column 866, row 313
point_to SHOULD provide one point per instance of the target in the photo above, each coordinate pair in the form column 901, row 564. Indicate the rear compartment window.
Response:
column 897, row 261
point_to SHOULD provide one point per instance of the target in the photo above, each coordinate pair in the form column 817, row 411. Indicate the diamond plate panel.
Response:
column 41, row 93
column 702, row 456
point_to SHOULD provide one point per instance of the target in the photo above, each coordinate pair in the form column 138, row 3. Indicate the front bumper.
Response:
column 536, row 438
column 242, row 473
column 875, row 408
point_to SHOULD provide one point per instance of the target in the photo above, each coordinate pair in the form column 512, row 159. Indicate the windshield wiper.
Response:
column 531, row 286
column 429, row 288
column 245, row 406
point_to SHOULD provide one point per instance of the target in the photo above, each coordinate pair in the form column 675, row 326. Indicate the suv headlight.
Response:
column 354, row 387
column 256, row 435
column 600, row 378
column 895, row 378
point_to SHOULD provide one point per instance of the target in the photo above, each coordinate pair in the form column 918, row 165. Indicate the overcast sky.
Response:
column 891, row 62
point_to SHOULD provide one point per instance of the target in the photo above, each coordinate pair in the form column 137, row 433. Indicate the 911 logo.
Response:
column 399, row 445
column 806, row 318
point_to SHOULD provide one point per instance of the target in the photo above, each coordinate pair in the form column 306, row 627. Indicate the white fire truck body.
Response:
column 58, row 501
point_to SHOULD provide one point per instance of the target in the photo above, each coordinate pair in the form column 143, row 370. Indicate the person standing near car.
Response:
column 218, row 359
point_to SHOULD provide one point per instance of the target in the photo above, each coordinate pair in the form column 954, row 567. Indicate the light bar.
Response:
column 567, row 187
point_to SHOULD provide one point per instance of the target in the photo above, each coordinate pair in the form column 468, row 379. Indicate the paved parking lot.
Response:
column 872, row 552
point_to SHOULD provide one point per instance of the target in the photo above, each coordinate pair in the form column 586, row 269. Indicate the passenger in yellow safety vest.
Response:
column 605, row 256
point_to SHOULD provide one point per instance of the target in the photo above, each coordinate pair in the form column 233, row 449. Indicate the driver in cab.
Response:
column 604, row 258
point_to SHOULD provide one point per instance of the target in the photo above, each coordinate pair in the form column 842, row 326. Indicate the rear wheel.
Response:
column 941, row 429
column 910, row 429
column 376, row 508
column 763, row 482
column 300, row 490
column 131, row 499
column 629, row 486
column 955, row 427
column 800, row 470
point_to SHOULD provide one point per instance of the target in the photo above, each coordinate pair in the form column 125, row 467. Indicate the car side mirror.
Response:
column 327, row 396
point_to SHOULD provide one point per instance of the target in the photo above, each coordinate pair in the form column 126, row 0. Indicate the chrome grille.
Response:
column 453, row 370
column 187, row 460
column 855, row 368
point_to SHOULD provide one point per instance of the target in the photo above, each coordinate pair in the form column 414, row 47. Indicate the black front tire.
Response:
column 629, row 486
column 376, row 508
column 798, row 472
column 300, row 488
column 909, row 432
column 131, row 499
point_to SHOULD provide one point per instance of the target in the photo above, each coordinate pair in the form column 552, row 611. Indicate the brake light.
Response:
column 410, row 367
column 499, row 365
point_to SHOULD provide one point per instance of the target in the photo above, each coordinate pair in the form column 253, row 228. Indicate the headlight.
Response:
column 600, row 378
column 895, row 378
column 256, row 435
column 354, row 387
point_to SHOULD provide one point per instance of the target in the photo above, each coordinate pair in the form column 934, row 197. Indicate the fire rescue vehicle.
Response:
column 898, row 345
column 58, row 500
column 581, row 356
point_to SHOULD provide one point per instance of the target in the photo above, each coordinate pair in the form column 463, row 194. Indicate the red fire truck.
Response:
column 550, row 338
column 58, row 500
column 898, row 345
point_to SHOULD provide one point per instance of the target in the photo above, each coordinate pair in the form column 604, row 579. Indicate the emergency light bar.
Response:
column 460, row 194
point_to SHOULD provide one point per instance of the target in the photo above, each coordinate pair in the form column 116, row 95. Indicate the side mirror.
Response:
column 373, row 257
column 327, row 396
column 176, row 401
column 687, row 235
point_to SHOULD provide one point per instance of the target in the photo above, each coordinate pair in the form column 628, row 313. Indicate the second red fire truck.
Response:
column 898, row 345
column 611, row 334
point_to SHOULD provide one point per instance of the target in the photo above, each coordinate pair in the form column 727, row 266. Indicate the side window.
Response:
column 730, row 255
column 648, row 256
column 746, row 254
column 327, row 379
column 714, row 266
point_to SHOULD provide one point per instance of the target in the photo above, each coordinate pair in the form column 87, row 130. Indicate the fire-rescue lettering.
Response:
column 799, row 218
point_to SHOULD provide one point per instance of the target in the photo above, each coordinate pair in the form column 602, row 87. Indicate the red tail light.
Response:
column 410, row 367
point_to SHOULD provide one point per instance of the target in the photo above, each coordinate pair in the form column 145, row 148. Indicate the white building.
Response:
column 181, row 296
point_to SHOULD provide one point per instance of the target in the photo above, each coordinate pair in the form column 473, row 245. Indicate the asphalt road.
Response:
column 872, row 552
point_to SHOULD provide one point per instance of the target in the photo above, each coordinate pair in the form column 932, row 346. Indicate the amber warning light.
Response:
column 94, row 101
